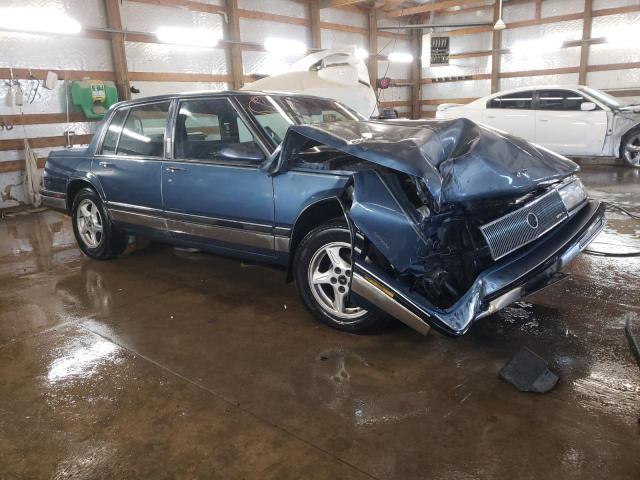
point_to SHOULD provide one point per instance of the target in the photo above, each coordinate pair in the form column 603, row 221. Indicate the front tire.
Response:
column 97, row 237
column 322, row 268
column 630, row 148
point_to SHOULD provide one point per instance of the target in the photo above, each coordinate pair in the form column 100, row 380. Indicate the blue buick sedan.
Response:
column 434, row 223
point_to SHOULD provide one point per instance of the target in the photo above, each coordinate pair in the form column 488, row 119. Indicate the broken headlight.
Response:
column 572, row 194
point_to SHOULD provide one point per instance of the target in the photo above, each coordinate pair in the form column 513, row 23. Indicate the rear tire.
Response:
column 97, row 237
column 321, row 268
column 630, row 148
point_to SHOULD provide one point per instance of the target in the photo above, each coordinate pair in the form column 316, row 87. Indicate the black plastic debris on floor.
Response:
column 528, row 372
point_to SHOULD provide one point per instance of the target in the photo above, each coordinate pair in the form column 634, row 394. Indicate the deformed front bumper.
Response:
column 516, row 276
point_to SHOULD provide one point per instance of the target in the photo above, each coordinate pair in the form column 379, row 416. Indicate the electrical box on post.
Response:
column 94, row 97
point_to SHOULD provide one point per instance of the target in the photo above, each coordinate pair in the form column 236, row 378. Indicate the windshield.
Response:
column 605, row 98
column 275, row 117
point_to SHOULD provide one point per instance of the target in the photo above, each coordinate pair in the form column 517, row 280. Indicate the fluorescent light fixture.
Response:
column 37, row 20
column 400, row 57
column 192, row 37
column 361, row 54
column 532, row 48
column 284, row 46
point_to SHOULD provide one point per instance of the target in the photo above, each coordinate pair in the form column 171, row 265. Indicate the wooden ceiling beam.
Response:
column 338, row 3
column 430, row 7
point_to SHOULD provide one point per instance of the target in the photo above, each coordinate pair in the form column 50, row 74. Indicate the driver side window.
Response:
column 209, row 129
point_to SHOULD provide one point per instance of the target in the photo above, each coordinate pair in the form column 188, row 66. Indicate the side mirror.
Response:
column 587, row 106
column 242, row 151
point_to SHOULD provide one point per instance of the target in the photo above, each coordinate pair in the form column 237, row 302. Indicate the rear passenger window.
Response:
column 560, row 100
column 143, row 132
column 113, row 132
column 518, row 100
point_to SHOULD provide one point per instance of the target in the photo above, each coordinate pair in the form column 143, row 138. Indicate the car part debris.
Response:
column 528, row 372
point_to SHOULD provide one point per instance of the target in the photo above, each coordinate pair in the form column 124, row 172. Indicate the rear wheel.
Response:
column 631, row 148
column 322, row 269
column 97, row 237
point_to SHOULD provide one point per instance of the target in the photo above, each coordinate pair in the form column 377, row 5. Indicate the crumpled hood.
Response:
column 458, row 160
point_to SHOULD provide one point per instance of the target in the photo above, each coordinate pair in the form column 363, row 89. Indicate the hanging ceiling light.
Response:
column 192, row 37
column 500, row 25
column 37, row 20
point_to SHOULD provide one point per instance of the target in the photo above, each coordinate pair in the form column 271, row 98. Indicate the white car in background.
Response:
column 570, row 120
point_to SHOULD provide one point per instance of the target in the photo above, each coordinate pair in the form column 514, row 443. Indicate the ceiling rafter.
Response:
column 339, row 3
column 430, row 7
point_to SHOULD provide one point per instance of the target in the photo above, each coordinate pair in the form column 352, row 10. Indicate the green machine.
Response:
column 94, row 97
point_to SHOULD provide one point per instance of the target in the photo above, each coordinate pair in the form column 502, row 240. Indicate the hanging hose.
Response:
column 33, row 176
column 596, row 253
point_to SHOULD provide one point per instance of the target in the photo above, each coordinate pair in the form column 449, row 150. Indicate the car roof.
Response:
column 209, row 93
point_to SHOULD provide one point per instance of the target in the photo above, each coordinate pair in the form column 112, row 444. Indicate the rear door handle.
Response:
column 544, row 120
column 105, row 164
column 175, row 169
column 491, row 116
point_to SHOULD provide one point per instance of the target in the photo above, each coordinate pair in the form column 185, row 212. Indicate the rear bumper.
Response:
column 54, row 200
column 516, row 276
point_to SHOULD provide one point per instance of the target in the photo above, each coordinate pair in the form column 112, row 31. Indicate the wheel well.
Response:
column 624, row 137
column 313, row 216
column 73, row 188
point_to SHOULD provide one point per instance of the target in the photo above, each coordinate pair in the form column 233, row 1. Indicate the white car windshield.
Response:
column 605, row 98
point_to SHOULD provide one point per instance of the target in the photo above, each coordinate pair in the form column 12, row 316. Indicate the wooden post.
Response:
column 416, row 72
column 235, row 52
column 495, row 51
column 373, row 48
column 118, row 52
column 586, row 36
column 314, row 20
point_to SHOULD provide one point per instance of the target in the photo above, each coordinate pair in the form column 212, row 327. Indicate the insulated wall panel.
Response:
column 464, row 89
column 156, row 57
column 263, row 63
column 460, row 67
column 147, row 18
column 518, row 12
column 256, row 31
column 28, row 50
column 344, row 17
column 553, row 8
column 565, row 79
column 337, row 39
column 280, row 7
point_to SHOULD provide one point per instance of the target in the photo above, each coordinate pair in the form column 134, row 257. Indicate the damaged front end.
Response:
column 439, row 270
column 451, row 221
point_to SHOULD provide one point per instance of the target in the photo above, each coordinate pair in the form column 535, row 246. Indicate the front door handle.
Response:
column 175, row 169
column 105, row 164
column 544, row 120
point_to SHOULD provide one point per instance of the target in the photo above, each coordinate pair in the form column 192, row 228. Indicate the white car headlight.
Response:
column 573, row 194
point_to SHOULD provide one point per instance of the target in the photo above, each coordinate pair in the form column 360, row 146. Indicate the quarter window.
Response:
column 518, row 100
column 143, row 131
column 560, row 100
column 205, row 127
column 113, row 132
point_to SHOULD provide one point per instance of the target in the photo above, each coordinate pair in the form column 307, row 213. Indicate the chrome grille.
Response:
column 524, row 225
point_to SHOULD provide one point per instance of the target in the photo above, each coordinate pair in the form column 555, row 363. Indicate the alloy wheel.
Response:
column 329, row 272
column 89, row 223
column 632, row 150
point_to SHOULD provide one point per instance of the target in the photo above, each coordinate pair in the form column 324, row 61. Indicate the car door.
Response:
column 213, row 189
column 512, row 113
column 564, row 127
column 129, row 164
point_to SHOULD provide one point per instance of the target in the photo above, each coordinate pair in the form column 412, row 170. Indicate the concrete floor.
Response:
column 167, row 364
